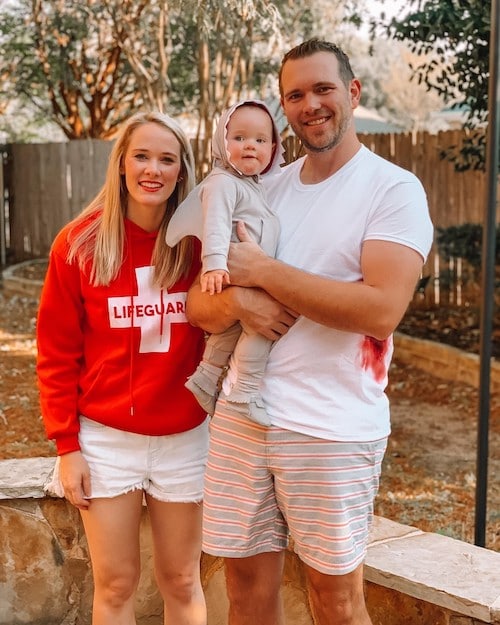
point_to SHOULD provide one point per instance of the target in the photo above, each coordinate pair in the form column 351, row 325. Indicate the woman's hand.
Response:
column 74, row 474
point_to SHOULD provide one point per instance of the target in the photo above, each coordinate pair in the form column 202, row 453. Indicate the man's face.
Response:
column 318, row 105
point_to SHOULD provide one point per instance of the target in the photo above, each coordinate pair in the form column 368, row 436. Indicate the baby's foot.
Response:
column 206, row 400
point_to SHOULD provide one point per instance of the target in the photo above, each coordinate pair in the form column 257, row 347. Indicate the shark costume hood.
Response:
column 188, row 217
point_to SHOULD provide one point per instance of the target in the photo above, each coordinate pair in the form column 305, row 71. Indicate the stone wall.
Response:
column 412, row 577
column 444, row 361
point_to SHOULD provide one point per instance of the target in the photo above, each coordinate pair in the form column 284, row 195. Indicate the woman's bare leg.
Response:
column 112, row 530
column 176, row 531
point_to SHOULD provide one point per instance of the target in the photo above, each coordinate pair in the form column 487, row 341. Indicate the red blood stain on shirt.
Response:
column 373, row 354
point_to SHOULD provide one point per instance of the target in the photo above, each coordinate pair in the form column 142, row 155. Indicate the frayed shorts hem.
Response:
column 154, row 495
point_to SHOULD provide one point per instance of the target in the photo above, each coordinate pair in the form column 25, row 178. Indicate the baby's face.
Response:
column 249, row 137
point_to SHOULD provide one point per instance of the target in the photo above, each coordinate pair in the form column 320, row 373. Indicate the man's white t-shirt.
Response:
column 321, row 381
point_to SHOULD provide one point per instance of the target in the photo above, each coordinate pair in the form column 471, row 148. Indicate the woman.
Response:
column 114, row 351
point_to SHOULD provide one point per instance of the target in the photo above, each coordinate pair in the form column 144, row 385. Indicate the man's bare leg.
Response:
column 337, row 599
column 253, row 588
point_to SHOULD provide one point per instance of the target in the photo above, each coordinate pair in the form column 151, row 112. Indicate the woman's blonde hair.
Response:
column 98, row 233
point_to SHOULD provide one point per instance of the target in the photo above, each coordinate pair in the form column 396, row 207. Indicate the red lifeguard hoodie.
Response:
column 117, row 354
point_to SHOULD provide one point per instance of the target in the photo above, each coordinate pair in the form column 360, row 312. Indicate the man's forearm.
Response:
column 214, row 313
column 257, row 311
column 372, row 306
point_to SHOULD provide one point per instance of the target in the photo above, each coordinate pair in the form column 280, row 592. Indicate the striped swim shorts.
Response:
column 264, row 484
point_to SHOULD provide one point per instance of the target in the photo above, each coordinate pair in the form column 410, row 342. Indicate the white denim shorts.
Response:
column 169, row 468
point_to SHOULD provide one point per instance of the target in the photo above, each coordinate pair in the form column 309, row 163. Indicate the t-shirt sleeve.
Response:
column 401, row 215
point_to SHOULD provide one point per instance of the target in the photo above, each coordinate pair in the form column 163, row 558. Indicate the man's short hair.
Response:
column 312, row 46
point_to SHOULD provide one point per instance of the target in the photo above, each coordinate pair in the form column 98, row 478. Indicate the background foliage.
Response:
column 82, row 66
column 451, row 41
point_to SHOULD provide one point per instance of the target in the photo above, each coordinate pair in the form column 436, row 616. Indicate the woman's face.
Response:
column 151, row 166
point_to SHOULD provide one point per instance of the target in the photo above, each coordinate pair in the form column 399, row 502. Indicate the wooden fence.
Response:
column 45, row 185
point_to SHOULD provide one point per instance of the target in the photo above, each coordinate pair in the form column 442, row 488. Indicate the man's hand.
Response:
column 255, row 309
column 244, row 258
column 261, row 314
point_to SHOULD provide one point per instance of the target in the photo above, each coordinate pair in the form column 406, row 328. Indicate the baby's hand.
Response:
column 213, row 281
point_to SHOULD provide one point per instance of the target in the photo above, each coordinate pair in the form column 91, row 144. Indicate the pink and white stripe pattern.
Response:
column 263, row 483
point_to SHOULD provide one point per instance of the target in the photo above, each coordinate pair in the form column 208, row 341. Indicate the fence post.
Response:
column 3, row 242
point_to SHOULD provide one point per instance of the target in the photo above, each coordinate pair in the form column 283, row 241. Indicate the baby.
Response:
column 246, row 145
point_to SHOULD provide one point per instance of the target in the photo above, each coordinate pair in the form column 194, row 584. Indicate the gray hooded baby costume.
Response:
column 211, row 212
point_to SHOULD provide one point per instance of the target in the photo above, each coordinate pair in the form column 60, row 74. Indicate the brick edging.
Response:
column 443, row 361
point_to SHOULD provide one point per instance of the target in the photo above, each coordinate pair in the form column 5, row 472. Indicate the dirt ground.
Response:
column 428, row 477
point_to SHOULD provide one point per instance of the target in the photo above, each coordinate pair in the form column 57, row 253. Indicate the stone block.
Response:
column 387, row 606
column 35, row 579
column 449, row 573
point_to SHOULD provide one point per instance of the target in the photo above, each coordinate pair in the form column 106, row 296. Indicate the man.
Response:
column 355, row 234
